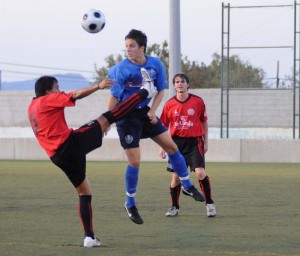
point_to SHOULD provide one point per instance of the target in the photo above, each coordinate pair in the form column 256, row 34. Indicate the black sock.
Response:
column 125, row 107
column 206, row 189
column 86, row 214
column 175, row 193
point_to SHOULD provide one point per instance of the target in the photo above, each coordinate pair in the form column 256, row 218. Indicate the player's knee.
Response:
column 176, row 180
column 84, row 188
column 103, row 123
column 171, row 148
column 200, row 173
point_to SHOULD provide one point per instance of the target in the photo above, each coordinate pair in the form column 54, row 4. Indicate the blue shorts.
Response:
column 136, row 127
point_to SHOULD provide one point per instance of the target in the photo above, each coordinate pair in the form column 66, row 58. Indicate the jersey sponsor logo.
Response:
column 130, row 84
column 128, row 138
column 134, row 81
column 182, row 118
column 183, row 123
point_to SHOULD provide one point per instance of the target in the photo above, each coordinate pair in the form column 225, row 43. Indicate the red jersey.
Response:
column 47, row 119
column 184, row 118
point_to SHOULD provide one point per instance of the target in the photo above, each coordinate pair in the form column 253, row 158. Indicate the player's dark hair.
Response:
column 44, row 84
column 182, row 76
column 138, row 36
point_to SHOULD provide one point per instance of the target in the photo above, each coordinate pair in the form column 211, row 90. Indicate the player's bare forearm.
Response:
column 157, row 100
column 162, row 153
column 84, row 92
column 205, row 127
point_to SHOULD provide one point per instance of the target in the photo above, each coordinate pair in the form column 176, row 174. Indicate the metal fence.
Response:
column 268, row 50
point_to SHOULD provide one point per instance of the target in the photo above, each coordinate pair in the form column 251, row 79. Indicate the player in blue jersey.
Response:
column 128, row 76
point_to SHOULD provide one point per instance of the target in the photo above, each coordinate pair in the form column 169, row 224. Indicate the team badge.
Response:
column 128, row 138
column 191, row 111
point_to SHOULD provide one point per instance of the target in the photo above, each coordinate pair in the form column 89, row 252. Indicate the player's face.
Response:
column 55, row 88
column 133, row 52
column 180, row 85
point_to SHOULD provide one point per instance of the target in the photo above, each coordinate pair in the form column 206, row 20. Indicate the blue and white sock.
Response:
column 131, row 180
column 178, row 163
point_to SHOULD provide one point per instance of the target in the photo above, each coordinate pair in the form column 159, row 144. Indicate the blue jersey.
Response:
column 127, row 78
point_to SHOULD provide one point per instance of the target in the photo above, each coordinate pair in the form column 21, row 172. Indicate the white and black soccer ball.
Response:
column 93, row 21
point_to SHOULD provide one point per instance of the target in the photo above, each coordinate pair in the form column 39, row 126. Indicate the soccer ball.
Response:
column 93, row 21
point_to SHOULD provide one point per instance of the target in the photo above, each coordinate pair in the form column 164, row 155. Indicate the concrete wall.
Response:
column 220, row 150
column 248, row 108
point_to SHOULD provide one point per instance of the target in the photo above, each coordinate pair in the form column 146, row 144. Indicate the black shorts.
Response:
column 192, row 150
column 71, row 155
column 136, row 127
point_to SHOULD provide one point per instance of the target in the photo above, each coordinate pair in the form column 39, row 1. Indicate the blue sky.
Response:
column 48, row 33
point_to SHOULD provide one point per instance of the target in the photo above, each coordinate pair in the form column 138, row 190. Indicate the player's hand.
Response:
column 162, row 153
column 106, row 131
column 106, row 82
column 205, row 146
column 152, row 117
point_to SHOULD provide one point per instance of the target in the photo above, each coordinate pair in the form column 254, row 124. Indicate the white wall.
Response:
column 220, row 150
column 250, row 109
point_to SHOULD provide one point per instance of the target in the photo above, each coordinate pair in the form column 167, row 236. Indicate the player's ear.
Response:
column 143, row 48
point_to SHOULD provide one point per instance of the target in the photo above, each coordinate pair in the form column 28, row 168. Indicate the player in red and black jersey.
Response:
column 67, row 147
column 185, row 117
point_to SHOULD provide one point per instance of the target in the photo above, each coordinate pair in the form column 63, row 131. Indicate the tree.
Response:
column 202, row 76
column 102, row 72
column 161, row 53
column 241, row 74
column 288, row 81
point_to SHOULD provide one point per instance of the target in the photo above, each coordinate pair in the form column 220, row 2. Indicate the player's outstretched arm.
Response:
column 83, row 92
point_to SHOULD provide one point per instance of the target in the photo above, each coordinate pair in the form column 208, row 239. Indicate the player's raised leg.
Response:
column 148, row 90
column 178, row 163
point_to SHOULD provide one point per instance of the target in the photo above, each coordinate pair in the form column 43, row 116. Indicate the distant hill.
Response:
column 67, row 82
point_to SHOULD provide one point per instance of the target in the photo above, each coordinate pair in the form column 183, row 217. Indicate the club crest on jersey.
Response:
column 191, row 111
column 128, row 138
